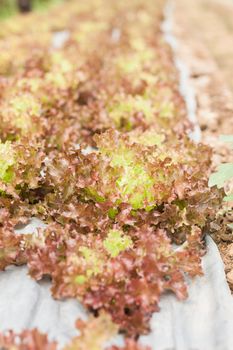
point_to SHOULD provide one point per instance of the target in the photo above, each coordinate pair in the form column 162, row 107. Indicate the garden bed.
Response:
column 95, row 142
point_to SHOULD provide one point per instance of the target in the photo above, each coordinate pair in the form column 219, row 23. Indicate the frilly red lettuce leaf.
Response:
column 26, row 340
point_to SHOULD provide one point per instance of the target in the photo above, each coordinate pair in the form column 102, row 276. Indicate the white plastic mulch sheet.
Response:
column 203, row 322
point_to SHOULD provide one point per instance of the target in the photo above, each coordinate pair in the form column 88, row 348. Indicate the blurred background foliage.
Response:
column 11, row 7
